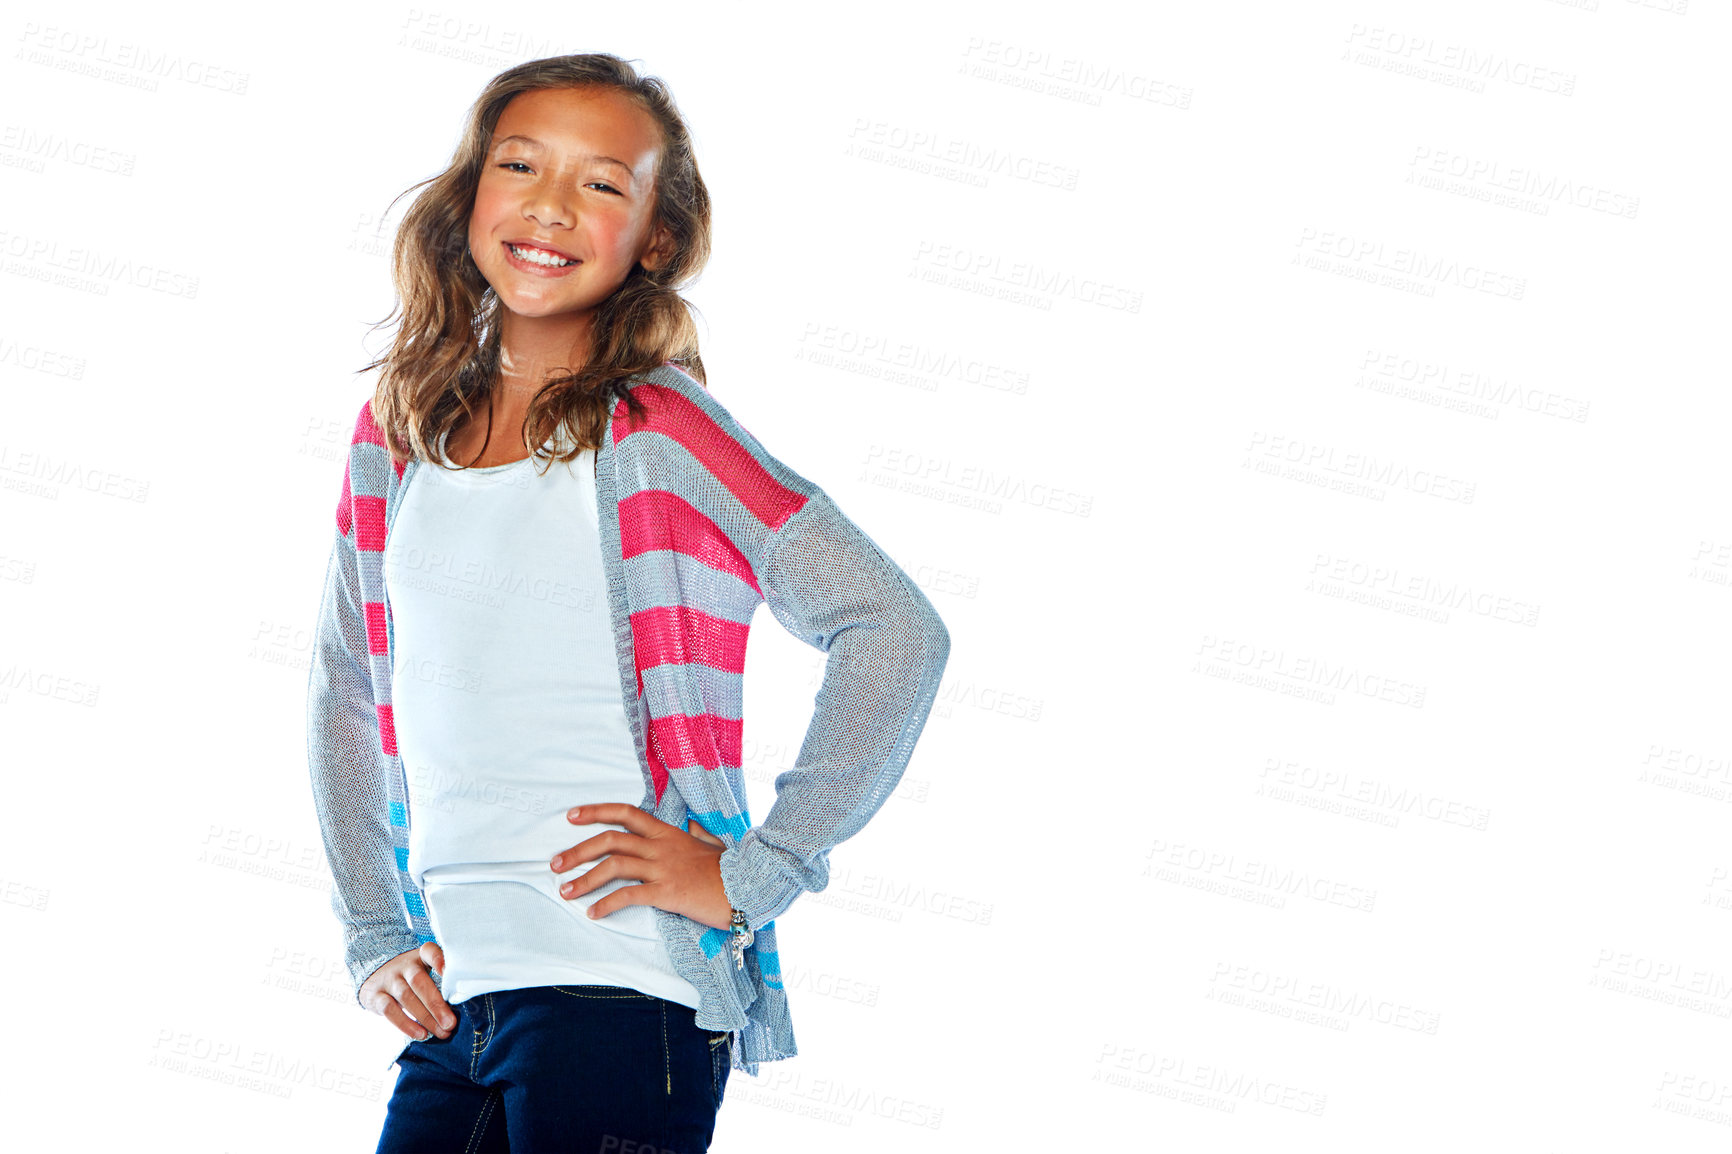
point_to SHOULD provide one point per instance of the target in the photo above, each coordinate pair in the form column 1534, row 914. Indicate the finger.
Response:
column 617, row 813
column 606, row 871
column 414, row 1001
column 432, row 956
column 394, row 1014
column 409, row 1003
column 698, row 831
column 608, row 842
column 643, row 895
column 427, row 990
column 388, row 1002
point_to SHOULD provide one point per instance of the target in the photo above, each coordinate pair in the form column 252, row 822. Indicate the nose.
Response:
column 548, row 205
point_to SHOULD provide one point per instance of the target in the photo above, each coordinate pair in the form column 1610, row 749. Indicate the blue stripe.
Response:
column 399, row 815
column 402, row 857
column 769, row 961
column 413, row 900
column 718, row 824
column 714, row 941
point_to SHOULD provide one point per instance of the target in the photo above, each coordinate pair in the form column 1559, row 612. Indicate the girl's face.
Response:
column 565, row 205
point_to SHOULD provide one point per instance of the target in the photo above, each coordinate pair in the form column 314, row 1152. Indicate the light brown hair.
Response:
column 444, row 357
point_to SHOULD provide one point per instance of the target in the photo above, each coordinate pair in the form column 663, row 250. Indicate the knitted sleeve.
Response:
column 346, row 762
column 831, row 586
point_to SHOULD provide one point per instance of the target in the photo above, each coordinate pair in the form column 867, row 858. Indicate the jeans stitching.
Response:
column 624, row 995
column 719, row 1054
column 479, row 1043
column 481, row 1123
column 667, row 1063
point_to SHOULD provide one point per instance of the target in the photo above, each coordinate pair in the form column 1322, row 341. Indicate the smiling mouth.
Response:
column 539, row 256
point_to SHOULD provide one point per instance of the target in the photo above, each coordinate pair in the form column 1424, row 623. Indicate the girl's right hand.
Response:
column 406, row 994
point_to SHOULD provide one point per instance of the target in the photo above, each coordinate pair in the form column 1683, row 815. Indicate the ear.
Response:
column 660, row 250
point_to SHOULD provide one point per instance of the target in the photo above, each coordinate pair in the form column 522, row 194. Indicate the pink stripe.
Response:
column 376, row 625
column 679, row 635
column 655, row 519
column 366, row 429
column 387, row 730
column 671, row 414
column 704, row 739
column 370, row 523
column 345, row 515
column 658, row 771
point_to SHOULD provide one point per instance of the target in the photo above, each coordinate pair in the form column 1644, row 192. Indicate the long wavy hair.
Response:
column 443, row 363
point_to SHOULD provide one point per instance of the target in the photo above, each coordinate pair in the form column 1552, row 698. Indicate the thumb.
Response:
column 704, row 835
column 432, row 956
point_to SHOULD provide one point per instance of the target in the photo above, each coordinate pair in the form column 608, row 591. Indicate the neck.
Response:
column 531, row 349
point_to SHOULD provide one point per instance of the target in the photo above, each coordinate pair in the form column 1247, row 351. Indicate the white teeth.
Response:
column 536, row 256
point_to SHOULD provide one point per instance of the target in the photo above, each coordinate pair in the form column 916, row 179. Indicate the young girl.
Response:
column 524, row 720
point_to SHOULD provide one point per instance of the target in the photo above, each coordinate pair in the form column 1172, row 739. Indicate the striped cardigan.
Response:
column 698, row 525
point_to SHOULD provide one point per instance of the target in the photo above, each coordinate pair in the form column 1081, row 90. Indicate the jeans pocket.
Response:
column 721, row 1061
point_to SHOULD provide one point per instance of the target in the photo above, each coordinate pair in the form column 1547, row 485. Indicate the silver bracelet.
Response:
column 742, row 937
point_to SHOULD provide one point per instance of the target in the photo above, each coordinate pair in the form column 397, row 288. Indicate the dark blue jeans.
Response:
column 551, row 1069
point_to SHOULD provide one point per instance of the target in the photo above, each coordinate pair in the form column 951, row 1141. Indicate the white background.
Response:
column 1309, row 421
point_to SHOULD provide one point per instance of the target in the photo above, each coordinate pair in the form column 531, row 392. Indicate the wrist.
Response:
column 739, row 932
column 721, row 910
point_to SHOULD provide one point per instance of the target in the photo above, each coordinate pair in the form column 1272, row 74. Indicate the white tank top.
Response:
column 508, row 711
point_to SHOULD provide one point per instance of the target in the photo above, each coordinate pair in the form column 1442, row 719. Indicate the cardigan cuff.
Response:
column 370, row 950
column 759, row 882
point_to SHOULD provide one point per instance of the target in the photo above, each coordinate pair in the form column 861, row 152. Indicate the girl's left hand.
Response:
column 680, row 869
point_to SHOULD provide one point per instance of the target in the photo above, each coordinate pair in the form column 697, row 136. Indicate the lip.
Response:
column 540, row 270
column 531, row 242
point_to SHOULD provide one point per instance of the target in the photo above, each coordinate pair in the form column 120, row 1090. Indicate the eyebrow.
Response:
column 531, row 142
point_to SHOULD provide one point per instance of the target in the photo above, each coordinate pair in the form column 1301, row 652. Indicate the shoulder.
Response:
column 685, row 429
column 366, row 429
column 369, row 477
column 367, row 444
column 671, row 397
column 678, row 407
